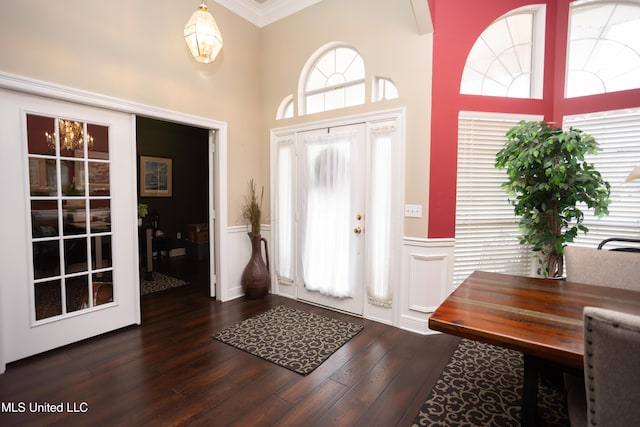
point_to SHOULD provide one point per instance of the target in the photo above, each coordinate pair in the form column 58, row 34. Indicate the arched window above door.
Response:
column 285, row 110
column 383, row 88
column 333, row 78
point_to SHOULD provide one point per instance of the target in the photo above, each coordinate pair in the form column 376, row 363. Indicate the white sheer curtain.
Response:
column 326, row 206
column 378, row 228
column 284, row 211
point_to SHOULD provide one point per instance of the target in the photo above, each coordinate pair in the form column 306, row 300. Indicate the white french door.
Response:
column 69, row 234
column 331, row 213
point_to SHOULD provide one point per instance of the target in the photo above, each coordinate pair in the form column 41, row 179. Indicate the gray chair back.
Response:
column 615, row 269
column 612, row 367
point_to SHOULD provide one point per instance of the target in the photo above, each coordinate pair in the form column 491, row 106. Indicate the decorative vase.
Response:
column 256, row 279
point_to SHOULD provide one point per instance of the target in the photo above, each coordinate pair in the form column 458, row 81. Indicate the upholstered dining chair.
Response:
column 610, row 393
column 616, row 269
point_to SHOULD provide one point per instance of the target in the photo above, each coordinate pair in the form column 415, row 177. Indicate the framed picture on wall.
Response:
column 155, row 177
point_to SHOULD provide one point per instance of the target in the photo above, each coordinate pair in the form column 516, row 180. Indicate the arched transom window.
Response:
column 335, row 80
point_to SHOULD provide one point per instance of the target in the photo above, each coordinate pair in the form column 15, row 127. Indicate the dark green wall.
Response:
column 188, row 148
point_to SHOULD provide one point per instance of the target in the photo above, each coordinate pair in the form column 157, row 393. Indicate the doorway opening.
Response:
column 174, row 198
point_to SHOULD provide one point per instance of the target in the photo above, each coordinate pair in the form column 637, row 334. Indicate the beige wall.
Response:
column 385, row 34
column 134, row 50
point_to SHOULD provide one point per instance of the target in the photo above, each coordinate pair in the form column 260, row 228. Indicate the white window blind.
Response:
column 618, row 134
column 486, row 227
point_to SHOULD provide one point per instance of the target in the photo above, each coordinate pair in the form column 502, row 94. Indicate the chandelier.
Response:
column 202, row 35
column 71, row 136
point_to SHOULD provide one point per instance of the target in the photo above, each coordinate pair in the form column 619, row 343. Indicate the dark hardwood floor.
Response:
column 169, row 371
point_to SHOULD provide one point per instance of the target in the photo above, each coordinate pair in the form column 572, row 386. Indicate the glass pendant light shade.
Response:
column 203, row 36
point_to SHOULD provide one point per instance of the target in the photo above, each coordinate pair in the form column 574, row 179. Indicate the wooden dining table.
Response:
column 541, row 318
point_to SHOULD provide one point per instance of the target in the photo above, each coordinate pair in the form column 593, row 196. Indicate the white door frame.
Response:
column 213, row 202
column 63, row 93
column 290, row 290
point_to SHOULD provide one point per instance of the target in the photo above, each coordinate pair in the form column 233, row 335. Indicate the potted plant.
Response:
column 547, row 177
column 143, row 210
column 256, row 279
column 252, row 209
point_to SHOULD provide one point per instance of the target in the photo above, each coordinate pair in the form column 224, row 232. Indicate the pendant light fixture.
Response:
column 202, row 35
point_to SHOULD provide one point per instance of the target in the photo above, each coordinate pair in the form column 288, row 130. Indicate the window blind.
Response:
column 618, row 134
column 486, row 227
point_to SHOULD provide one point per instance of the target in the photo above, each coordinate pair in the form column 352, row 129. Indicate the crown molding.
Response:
column 267, row 12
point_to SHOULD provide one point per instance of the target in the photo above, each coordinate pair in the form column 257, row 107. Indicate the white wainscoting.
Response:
column 427, row 279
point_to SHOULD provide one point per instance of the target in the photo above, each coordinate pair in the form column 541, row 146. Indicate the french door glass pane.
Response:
column 74, row 217
column 48, row 299
column 39, row 127
column 44, row 218
column 46, row 259
column 72, row 138
column 75, row 255
column 69, row 181
column 76, row 291
column 102, row 285
column 98, row 179
column 100, row 216
column 42, row 177
column 100, row 252
column 100, row 147
column 72, row 177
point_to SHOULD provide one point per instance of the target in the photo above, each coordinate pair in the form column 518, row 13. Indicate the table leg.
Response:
column 530, row 391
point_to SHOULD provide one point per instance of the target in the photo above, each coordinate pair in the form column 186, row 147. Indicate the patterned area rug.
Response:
column 481, row 385
column 159, row 282
column 294, row 339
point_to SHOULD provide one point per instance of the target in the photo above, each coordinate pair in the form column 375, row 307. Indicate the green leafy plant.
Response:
column 547, row 177
column 252, row 209
column 143, row 210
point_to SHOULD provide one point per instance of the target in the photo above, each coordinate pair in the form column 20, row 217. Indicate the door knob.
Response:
column 357, row 230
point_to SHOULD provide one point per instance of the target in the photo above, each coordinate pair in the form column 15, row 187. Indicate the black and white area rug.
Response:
column 481, row 385
column 292, row 338
column 159, row 282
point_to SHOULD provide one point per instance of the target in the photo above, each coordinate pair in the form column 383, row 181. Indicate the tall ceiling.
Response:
column 264, row 12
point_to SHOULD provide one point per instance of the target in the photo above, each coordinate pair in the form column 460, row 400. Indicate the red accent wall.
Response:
column 457, row 25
